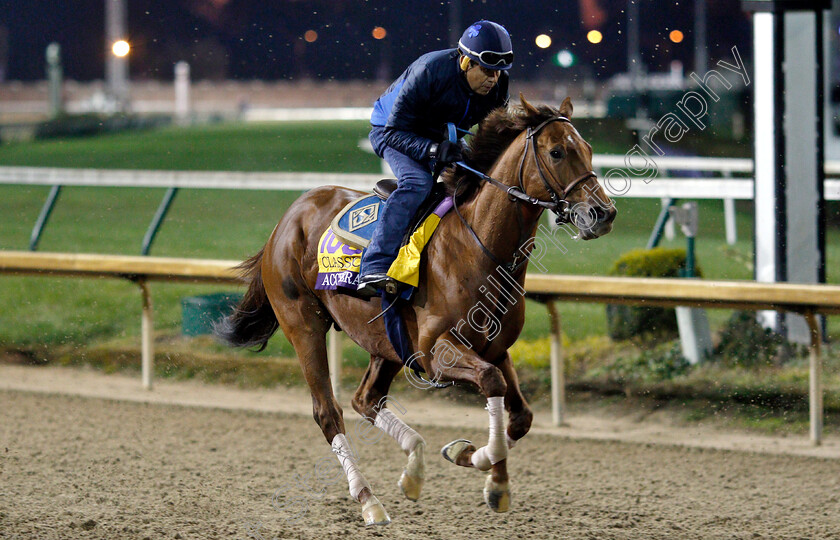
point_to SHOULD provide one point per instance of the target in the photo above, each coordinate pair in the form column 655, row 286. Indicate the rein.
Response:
column 518, row 194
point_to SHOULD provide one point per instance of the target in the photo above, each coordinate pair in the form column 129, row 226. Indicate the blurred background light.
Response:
column 120, row 48
column 565, row 58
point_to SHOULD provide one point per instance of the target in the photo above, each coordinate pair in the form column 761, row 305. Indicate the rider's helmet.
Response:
column 488, row 44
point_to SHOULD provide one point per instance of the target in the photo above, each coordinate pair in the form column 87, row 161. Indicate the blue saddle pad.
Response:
column 356, row 222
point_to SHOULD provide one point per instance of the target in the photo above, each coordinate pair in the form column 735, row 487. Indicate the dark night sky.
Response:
column 250, row 39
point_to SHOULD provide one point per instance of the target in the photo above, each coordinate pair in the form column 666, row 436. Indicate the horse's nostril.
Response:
column 600, row 213
column 604, row 214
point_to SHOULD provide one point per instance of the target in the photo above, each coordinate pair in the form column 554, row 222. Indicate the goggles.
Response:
column 491, row 58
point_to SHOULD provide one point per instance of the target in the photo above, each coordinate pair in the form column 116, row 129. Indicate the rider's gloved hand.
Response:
column 448, row 152
column 445, row 153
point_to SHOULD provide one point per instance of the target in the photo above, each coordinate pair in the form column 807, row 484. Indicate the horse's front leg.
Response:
column 519, row 422
column 461, row 363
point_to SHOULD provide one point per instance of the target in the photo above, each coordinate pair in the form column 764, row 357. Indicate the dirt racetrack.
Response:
column 85, row 467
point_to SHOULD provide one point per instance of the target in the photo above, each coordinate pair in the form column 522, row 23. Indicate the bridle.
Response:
column 559, row 204
column 563, row 214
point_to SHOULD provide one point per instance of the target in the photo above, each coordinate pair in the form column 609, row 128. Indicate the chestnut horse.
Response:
column 535, row 160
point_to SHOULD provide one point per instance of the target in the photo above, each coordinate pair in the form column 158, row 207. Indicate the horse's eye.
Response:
column 557, row 153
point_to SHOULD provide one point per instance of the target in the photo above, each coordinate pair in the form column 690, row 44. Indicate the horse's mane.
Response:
column 495, row 133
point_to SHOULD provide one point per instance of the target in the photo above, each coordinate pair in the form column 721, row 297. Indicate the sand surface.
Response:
column 87, row 455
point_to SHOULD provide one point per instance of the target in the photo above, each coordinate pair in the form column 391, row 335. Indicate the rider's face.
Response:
column 481, row 79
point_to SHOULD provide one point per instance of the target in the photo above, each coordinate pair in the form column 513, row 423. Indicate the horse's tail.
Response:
column 253, row 322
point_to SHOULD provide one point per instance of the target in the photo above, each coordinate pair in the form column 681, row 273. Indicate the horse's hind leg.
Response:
column 308, row 337
column 370, row 401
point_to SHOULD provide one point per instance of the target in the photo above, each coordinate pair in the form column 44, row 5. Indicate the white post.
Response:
column 54, row 79
column 695, row 336
column 729, row 219
column 334, row 358
column 116, row 67
column 815, row 393
column 558, row 377
column 669, row 224
column 701, row 54
column 766, row 149
column 147, row 337
column 182, row 92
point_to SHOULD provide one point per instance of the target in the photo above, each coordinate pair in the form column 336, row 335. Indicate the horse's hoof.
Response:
column 411, row 481
column 374, row 513
column 451, row 451
column 411, row 486
column 497, row 495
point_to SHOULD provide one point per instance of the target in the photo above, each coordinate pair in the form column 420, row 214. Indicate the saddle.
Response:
column 341, row 245
column 355, row 223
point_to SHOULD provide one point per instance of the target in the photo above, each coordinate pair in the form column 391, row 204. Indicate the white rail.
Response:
column 722, row 165
column 658, row 187
column 47, row 176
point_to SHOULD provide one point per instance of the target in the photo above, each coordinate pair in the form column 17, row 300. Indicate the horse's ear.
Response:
column 566, row 108
column 527, row 107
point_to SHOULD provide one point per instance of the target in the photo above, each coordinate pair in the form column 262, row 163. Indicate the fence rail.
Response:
column 805, row 299
column 47, row 176
column 658, row 187
column 808, row 300
column 664, row 188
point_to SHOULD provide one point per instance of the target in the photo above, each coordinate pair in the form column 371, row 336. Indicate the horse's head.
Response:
column 556, row 166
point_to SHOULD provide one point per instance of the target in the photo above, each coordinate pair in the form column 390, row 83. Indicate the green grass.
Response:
column 292, row 146
column 234, row 224
column 201, row 223
column 227, row 224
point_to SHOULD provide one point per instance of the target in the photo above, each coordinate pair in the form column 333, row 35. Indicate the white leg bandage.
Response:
column 496, row 449
column 399, row 430
column 347, row 458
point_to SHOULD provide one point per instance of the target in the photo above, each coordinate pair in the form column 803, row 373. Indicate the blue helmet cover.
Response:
column 486, row 37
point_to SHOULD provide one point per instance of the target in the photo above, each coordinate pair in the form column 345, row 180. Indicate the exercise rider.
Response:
column 460, row 86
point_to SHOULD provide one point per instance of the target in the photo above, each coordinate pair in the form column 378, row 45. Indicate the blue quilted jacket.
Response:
column 412, row 114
